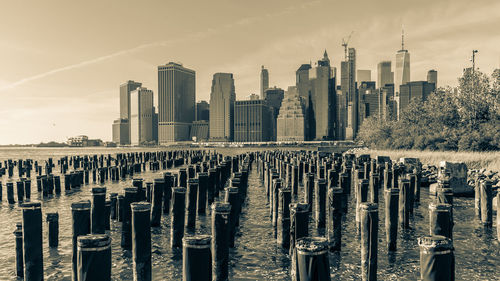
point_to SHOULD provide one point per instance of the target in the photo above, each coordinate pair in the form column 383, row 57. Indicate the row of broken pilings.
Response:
column 328, row 183
column 76, row 171
column 185, row 195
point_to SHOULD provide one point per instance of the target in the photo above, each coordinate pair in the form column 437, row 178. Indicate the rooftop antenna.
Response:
column 402, row 37
column 345, row 42
column 474, row 52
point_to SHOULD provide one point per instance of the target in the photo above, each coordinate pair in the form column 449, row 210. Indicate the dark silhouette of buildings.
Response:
column 252, row 121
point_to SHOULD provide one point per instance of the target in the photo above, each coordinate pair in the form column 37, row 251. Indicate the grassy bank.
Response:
column 474, row 160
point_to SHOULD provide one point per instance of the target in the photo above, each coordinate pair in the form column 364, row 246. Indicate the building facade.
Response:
column 202, row 111
column 291, row 119
column 432, row 77
column 349, row 89
column 176, row 102
column 363, row 75
column 412, row 91
column 368, row 101
column 199, row 130
column 141, row 116
column 222, row 98
column 273, row 97
column 125, row 90
column 252, row 121
column 402, row 75
column 121, row 131
column 384, row 74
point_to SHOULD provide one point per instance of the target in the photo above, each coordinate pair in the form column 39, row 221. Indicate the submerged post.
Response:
column 196, row 258
column 220, row 241
column 32, row 239
column 437, row 259
column 141, row 241
column 80, row 212
column 53, row 221
column 177, row 226
column 312, row 259
column 369, row 240
column 94, row 257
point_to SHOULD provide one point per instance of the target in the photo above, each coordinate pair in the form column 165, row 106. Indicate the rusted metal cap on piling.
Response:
column 140, row 207
column 221, row 208
column 435, row 243
column 94, row 242
column 80, row 205
column 312, row 246
column 98, row 190
column 368, row 206
column 52, row 217
column 32, row 205
column 197, row 241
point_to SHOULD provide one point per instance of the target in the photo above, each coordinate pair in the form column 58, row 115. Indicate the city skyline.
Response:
column 50, row 83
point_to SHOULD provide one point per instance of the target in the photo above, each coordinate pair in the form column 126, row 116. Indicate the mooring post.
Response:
column 80, row 212
column 335, row 218
column 440, row 220
column 53, row 222
column 196, row 258
column 487, row 204
column 141, row 240
column 312, row 259
column 157, row 201
column 177, row 218
column 369, row 240
column 437, row 259
column 18, row 233
column 391, row 217
column 94, row 257
column 129, row 198
column 283, row 228
column 32, row 239
column 98, row 210
column 220, row 241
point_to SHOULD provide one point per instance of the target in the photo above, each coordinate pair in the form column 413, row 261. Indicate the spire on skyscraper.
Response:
column 402, row 38
column 325, row 55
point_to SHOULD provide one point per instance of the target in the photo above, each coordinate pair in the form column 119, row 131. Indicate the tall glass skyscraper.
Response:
column 384, row 74
column 176, row 102
column 125, row 90
column 222, row 100
column 402, row 66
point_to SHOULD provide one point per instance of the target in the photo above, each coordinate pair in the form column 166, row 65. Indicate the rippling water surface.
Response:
column 256, row 255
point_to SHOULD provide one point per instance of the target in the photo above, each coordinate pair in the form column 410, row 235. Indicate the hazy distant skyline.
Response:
column 61, row 62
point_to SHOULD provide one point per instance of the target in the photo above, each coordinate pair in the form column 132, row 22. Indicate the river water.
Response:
column 256, row 255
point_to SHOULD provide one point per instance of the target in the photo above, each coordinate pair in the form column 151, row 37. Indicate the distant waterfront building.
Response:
column 176, row 102
column 82, row 141
column 384, row 74
column 125, row 90
column 412, row 91
column 222, row 100
column 202, row 111
column 402, row 75
column 274, row 97
column 121, row 131
column 264, row 81
column 252, row 121
column 291, row 120
column 432, row 77
column 363, row 75
column 199, row 130
column 141, row 116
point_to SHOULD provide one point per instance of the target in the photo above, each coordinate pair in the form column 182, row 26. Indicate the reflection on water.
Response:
column 256, row 255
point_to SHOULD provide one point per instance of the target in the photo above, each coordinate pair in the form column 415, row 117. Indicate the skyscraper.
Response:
column 141, row 116
column 125, row 90
column 291, row 122
column 432, row 77
column 384, row 74
column 222, row 100
column 349, row 84
column 274, row 97
column 264, row 81
column 202, row 111
column 176, row 102
column 302, row 80
column 322, row 99
column 363, row 75
column 402, row 75
column 412, row 91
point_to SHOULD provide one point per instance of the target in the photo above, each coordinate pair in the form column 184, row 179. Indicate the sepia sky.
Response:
column 61, row 62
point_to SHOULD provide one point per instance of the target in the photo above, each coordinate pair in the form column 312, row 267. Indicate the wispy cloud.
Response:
column 193, row 36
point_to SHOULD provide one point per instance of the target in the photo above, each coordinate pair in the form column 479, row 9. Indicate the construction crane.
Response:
column 345, row 42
